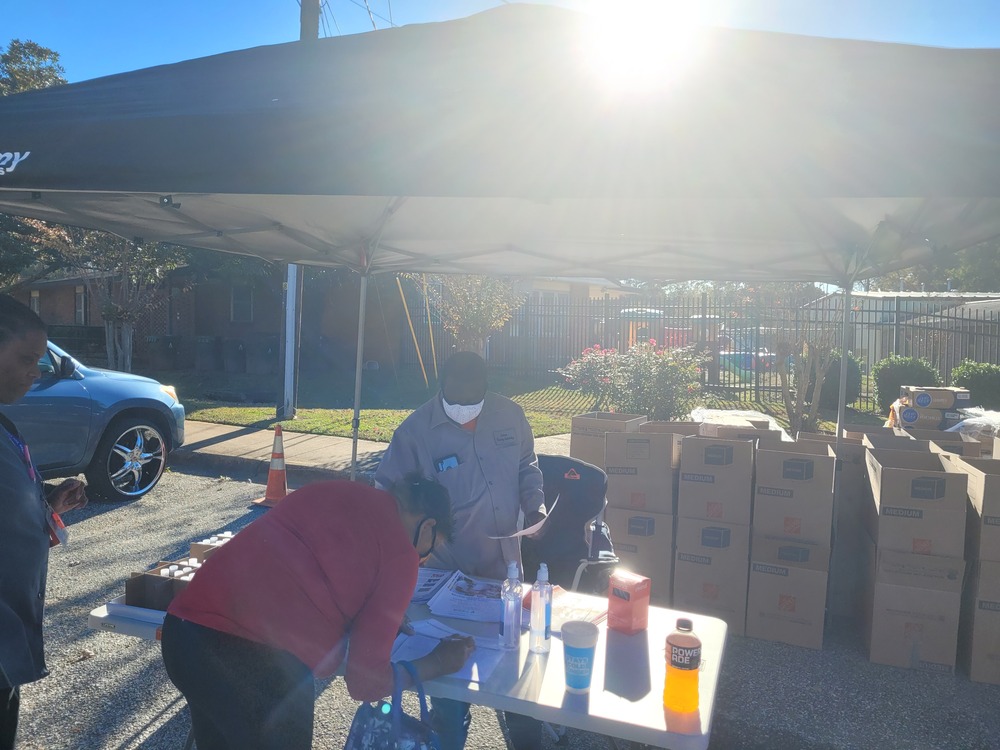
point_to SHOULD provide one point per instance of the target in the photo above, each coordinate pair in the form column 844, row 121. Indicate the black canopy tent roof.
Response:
column 488, row 145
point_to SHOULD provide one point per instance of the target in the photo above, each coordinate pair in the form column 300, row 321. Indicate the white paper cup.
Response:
column 579, row 645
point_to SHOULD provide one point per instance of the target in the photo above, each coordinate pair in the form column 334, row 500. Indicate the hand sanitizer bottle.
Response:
column 540, row 639
column 510, row 598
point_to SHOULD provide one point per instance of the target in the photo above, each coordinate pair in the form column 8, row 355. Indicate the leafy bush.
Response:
column 829, row 397
column 660, row 383
column 982, row 379
column 891, row 373
column 593, row 373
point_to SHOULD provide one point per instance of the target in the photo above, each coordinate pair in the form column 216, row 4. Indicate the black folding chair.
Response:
column 574, row 540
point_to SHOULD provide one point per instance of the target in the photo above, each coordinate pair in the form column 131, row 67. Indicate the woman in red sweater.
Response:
column 335, row 563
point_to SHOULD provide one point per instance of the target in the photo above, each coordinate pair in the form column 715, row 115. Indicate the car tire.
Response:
column 129, row 460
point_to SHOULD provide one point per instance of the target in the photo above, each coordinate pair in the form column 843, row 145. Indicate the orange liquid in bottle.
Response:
column 683, row 658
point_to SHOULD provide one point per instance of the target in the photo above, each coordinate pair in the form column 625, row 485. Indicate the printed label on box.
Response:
column 800, row 469
column 641, row 526
column 698, row 559
column 638, row 449
column 715, row 536
column 775, row 492
column 772, row 570
column 718, row 455
column 927, row 488
column 705, row 478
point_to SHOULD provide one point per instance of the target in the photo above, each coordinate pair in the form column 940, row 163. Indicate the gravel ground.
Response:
column 110, row 691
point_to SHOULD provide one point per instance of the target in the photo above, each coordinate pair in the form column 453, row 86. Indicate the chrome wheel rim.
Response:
column 137, row 460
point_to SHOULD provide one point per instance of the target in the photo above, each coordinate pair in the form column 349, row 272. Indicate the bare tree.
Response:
column 804, row 353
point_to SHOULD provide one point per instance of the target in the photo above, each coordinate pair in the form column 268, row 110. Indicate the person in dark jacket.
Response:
column 29, row 518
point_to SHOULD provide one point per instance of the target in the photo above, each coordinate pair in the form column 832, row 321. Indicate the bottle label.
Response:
column 685, row 658
column 548, row 620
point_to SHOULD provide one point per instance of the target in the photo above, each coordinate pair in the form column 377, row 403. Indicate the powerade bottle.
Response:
column 540, row 639
column 510, row 601
column 683, row 657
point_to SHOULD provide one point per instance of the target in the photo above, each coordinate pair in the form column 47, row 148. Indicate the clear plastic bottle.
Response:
column 540, row 638
column 683, row 657
column 510, row 601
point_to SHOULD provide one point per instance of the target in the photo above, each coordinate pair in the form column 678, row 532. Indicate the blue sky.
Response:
column 102, row 37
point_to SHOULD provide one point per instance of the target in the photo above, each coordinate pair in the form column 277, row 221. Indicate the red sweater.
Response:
column 331, row 563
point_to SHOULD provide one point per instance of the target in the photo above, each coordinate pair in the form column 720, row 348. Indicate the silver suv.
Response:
column 114, row 427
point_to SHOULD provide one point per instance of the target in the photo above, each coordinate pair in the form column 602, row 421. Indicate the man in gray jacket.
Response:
column 479, row 445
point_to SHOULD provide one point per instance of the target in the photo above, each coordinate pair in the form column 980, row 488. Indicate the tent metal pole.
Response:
column 358, row 366
column 842, row 394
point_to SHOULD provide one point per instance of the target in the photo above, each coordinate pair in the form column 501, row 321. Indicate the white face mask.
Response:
column 462, row 413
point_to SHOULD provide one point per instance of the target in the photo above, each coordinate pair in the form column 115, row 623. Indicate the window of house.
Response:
column 33, row 303
column 80, row 310
column 241, row 303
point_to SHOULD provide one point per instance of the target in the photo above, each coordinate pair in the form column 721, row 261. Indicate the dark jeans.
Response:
column 10, row 704
column 451, row 719
column 242, row 695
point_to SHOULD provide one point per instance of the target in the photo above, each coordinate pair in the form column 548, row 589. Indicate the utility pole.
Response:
column 291, row 329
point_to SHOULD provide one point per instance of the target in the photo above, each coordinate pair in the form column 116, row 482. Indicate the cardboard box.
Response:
column 979, row 630
column 151, row 590
column 793, row 491
column 858, row 431
column 716, row 480
column 930, row 419
column 628, row 602
column 893, row 442
column 710, row 570
column 640, row 470
column 587, row 431
column 735, row 432
column 983, row 521
column 676, row 428
column 947, row 442
column 919, row 503
column 935, row 398
column 786, row 601
column 644, row 542
column 914, row 613
column 852, row 501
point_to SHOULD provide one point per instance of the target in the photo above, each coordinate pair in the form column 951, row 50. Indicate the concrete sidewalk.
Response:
column 247, row 451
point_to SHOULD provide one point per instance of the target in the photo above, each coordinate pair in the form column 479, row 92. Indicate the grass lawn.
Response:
column 326, row 402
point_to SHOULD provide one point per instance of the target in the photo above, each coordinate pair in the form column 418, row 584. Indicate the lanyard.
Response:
column 22, row 447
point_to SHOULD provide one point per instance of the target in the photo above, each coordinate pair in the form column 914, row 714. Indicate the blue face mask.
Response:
column 462, row 413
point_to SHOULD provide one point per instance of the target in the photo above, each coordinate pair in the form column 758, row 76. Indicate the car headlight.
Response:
column 170, row 391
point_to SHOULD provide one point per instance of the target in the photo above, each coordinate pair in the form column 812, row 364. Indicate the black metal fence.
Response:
column 741, row 333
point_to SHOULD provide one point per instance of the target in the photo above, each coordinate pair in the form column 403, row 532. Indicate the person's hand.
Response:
column 405, row 627
column 69, row 495
column 530, row 519
column 452, row 652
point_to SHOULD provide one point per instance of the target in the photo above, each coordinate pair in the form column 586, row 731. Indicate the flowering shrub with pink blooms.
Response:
column 661, row 383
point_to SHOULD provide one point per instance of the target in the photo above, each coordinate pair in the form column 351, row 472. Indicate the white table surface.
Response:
column 626, row 696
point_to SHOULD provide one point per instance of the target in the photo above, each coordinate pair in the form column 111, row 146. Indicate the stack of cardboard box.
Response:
column 714, row 511
column 642, row 485
column 979, row 632
column 929, row 408
column 587, row 433
column 790, row 549
column 916, row 524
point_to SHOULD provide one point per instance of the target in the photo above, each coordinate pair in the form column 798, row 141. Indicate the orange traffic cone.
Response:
column 277, row 482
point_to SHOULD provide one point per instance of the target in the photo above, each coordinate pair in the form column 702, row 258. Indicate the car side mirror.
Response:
column 67, row 366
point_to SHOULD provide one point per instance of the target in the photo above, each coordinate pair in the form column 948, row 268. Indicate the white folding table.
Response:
column 626, row 697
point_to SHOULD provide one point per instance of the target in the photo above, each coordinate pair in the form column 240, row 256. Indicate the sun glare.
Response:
column 643, row 45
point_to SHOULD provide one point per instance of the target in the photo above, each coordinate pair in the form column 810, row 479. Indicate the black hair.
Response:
column 17, row 319
column 418, row 494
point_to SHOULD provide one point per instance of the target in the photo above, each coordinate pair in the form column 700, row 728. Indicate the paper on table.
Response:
column 429, row 580
column 570, row 605
column 468, row 598
column 429, row 633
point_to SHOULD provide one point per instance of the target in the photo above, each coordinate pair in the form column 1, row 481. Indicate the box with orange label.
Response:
column 786, row 601
column 710, row 570
column 793, row 491
column 640, row 470
column 919, row 503
column 716, row 480
column 628, row 602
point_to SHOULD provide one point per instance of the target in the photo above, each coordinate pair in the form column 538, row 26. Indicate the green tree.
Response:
column 471, row 307
column 975, row 269
column 25, row 66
